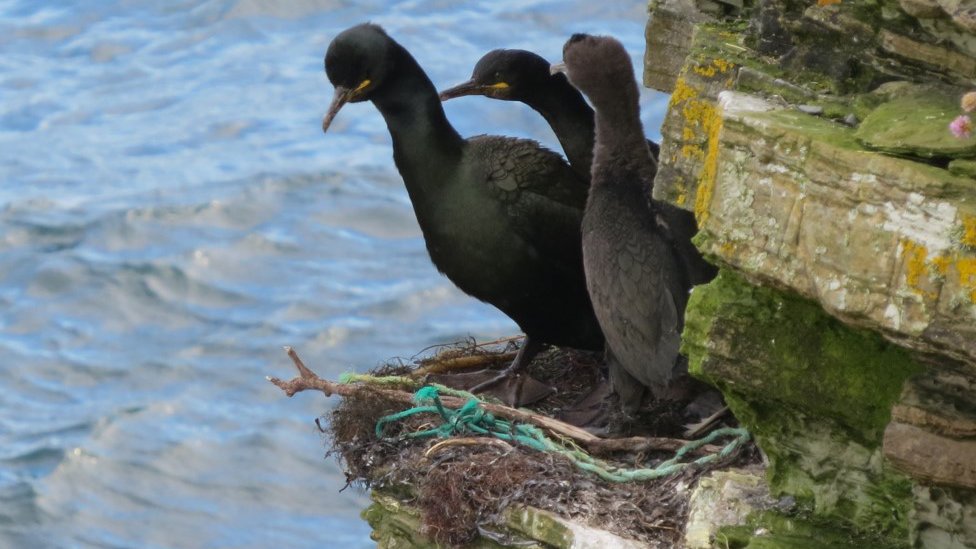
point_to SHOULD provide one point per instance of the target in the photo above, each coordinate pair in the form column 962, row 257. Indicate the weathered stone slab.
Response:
column 931, row 55
column 881, row 242
column 916, row 123
column 724, row 498
column 940, row 401
column 929, row 457
column 670, row 26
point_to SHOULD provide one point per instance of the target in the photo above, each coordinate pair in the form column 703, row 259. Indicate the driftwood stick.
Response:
column 309, row 380
column 698, row 429
column 438, row 365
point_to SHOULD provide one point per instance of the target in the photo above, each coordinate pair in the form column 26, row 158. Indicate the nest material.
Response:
column 460, row 487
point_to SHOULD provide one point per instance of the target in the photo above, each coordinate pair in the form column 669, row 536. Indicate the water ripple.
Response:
column 171, row 215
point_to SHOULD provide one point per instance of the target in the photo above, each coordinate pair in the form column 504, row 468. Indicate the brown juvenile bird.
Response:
column 637, row 282
column 500, row 216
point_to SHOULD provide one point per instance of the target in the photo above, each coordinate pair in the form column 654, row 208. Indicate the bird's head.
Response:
column 598, row 66
column 503, row 74
column 357, row 61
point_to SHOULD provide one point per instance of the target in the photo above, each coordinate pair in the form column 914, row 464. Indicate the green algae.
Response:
column 769, row 530
column 815, row 393
column 856, row 373
column 963, row 168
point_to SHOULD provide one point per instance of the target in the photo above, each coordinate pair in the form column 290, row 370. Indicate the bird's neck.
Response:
column 425, row 145
column 570, row 118
column 621, row 150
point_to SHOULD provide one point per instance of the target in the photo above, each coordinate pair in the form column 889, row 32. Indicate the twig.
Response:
column 696, row 430
column 438, row 365
column 309, row 380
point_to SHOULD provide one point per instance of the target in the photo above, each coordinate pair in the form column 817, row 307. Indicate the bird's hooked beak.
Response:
column 342, row 96
column 473, row 88
column 557, row 68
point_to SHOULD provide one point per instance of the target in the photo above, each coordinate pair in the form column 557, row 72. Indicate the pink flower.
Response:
column 961, row 127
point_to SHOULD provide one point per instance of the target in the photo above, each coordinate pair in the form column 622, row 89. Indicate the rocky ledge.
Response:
column 811, row 139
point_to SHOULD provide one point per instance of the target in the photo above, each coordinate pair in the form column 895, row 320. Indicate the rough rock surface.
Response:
column 811, row 140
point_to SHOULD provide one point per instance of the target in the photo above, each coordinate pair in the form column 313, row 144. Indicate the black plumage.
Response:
column 519, row 75
column 500, row 216
column 637, row 281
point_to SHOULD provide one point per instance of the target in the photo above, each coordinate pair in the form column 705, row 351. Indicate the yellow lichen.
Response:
column 722, row 65
column 718, row 66
column 969, row 231
column 966, row 267
column 692, row 151
column 712, row 123
column 922, row 271
column 682, row 92
column 696, row 115
column 916, row 269
column 941, row 264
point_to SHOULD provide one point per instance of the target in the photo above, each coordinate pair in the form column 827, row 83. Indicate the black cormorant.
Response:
column 519, row 75
column 500, row 216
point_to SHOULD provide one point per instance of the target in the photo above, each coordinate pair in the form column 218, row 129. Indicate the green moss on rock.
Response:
column 916, row 123
column 965, row 168
column 815, row 393
column 801, row 354
column 771, row 530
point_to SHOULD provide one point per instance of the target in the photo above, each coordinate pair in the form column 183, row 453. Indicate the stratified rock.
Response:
column 927, row 54
column 929, row 457
column 838, row 234
column 881, row 242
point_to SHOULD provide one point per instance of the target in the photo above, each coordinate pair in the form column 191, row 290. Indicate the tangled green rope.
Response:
column 473, row 419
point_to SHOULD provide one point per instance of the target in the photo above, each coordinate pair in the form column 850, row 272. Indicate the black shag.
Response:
column 500, row 216
column 637, row 281
column 519, row 75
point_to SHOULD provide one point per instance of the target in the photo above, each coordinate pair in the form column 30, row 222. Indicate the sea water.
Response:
column 171, row 215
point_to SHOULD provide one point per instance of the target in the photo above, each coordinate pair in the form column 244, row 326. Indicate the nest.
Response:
column 463, row 487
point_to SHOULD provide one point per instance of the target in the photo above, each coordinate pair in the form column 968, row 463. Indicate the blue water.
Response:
column 171, row 215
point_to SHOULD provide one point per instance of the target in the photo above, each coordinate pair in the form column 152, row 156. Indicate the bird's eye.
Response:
column 498, row 76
